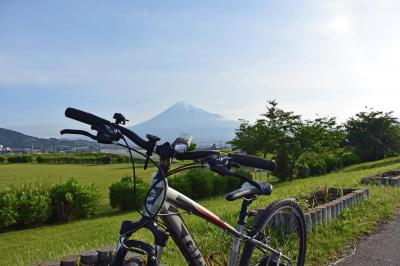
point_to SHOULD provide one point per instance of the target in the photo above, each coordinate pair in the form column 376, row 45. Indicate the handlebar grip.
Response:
column 194, row 155
column 85, row 117
column 253, row 161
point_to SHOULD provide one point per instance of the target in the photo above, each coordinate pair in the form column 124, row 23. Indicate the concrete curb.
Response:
column 328, row 211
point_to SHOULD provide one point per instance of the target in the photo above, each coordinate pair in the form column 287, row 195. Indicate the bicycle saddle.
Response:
column 248, row 190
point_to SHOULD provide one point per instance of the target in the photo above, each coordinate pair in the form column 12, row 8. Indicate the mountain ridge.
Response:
column 186, row 118
column 17, row 140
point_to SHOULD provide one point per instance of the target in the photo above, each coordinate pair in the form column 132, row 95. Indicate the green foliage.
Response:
column 8, row 208
column 373, row 134
column 83, row 158
column 195, row 183
column 333, row 162
column 202, row 183
column 287, row 137
column 2, row 159
column 20, row 159
column 71, row 200
column 105, row 160
column 349, row 158
column 34, row 204
column 122, row 196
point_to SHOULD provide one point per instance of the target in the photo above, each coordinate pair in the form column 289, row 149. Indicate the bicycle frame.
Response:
column 177, row 229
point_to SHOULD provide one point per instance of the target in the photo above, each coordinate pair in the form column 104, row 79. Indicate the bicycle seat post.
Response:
column 241, row 223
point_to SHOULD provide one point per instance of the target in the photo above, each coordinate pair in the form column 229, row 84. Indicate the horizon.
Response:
column 326, row 58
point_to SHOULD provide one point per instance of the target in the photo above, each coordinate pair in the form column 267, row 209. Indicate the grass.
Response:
column 325, row 244
column 102, row 175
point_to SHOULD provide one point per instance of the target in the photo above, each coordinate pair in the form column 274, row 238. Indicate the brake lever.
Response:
column 78, row 132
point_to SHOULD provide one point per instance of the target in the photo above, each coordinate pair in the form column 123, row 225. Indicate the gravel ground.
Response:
column 380, row 248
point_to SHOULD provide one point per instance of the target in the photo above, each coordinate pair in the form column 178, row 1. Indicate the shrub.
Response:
column 122, row 196
column 72, row 200
column 220, row 185
column 310, row 164
column 120, row 159
column 2, row 159
column 182, row 184
column 104, row 160
column 349, row 158
column 202, row 183
column 302, row 169
column 332, row 162
column 33, row 204
column 8, row 208
column 195, row 183
column 20, row 159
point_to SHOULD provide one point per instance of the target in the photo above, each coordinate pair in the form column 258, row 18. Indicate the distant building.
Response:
column 5, row 150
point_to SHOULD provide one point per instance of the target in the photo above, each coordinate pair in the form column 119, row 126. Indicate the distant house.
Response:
column 5, row 150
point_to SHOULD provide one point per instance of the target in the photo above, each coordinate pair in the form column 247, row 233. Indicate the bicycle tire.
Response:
column 263, row 218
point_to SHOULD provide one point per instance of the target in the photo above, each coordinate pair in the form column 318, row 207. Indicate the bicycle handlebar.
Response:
column 253, row 161
column 194, row 155
column 85, row 117
column 99, row 122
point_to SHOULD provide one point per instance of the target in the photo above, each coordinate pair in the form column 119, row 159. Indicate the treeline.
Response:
column 311, row 147
column 84, row 158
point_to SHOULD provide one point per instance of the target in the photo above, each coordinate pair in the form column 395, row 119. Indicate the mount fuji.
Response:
column 185, row 118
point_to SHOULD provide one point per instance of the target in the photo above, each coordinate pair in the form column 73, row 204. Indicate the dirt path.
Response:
column 381, row 248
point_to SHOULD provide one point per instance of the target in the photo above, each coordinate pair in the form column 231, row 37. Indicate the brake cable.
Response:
column 130, row 149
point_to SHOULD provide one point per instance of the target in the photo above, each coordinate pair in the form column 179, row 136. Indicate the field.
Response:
column 102, row 175
column 325, row 243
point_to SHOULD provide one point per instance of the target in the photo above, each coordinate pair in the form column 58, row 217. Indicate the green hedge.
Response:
column 8, row 208
column 105, row 159
column 2, row 159
column 122, row 196
column 201, row 183
column 20, row 159
column 71, row 200
column 34, row 204
column 311, row 164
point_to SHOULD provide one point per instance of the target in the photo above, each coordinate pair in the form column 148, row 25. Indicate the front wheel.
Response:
column 282, row 227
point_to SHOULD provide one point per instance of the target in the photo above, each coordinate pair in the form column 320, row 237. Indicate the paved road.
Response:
column 381, row 248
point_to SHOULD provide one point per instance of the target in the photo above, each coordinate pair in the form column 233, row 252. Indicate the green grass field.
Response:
column 325, row 244
column 102, row 175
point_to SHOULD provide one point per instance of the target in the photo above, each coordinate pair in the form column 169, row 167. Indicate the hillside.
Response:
column 185, row 118
column 17, row 140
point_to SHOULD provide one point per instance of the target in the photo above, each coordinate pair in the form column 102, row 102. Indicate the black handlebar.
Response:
column 194, row 155
column 253, row 161
column 99, row 122
column 85, row 117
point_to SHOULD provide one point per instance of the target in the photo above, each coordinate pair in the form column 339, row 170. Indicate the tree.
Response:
column 246, row 138
column 373, row 134
column 287, row 137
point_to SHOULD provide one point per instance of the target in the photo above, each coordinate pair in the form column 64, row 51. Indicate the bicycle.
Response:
column 276, row 237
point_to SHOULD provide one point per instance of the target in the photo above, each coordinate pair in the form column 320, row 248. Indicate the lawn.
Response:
column 325, row 244
column 102, row 175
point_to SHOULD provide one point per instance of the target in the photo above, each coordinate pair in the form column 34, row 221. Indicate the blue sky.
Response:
column 229, row 57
